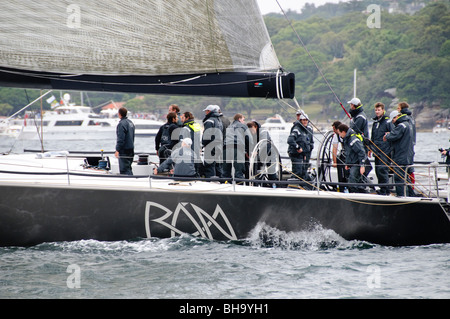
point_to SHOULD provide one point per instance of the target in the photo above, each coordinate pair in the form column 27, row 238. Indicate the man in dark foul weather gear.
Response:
column 212, row 141
column 125, row 142
column 360, row 125
column 166, row 139
column 403, row 108
column 237, row 145
column 355, row 156
column 401, row 139
column 265, row 158
column 183, row 159
column 299, row 148
column 192, row 130
column 380, row 149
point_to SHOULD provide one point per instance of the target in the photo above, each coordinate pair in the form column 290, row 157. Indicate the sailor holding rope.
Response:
column 401, row 139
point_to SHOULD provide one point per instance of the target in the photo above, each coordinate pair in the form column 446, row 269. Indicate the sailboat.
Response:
column 170, row 47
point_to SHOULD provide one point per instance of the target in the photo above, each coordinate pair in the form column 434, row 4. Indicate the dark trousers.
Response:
column 298, row 165
column 355, row 177
column 232, row 157
column 382, row 172
column 125, row 161
column 399, row 177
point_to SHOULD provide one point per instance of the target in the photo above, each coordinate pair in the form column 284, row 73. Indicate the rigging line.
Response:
column 299, row 109
column 25, row 107
column 314, row 61
column 320, row 71
column 404, row 179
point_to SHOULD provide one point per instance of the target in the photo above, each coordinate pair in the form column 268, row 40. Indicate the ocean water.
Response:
column 269, row 264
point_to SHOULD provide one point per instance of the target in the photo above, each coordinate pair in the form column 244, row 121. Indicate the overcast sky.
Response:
column 267, row 6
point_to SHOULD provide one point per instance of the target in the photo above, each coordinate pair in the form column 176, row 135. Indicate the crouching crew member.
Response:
column 355, row 157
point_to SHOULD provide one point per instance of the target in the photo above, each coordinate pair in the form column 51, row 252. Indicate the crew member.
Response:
column 238, row 142
column 355, row 156
column 338, row 154
column 381, row 149
column 265, row 156
column 166, row 139
column 299, row 148
column 360, row 125
column 212, row 141
column 401, row 140
column 125, row 142
column 183, row 159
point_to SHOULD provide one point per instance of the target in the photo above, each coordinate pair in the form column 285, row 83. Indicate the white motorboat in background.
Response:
column 68, row 122
column 74, row 122
column 276, row 123
column 11, row 127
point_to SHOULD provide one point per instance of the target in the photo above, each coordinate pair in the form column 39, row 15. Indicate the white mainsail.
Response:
column 195, row 47
column 139, row 37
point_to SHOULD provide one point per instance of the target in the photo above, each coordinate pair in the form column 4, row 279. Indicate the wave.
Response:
column 315, row 237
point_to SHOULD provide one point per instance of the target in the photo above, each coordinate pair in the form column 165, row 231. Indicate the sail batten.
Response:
column 48, row 42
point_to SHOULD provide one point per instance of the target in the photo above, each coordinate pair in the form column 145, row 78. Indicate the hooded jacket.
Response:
column 401, row 139
column 184, row 160
column 359, row 121
column 212, row 121
column 354, row 149
column 300, row 137
column 411, row 122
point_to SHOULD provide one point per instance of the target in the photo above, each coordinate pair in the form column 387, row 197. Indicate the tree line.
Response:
column 410, row 53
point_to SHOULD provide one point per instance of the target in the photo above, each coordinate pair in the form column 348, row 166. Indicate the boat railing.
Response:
column 430, row 180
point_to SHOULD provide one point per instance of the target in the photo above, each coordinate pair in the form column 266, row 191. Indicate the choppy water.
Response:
column 269, row 264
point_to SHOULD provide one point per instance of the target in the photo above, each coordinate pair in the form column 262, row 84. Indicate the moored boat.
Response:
column 276, row 123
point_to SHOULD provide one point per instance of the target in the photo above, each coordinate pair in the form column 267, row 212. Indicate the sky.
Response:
column 267, row 6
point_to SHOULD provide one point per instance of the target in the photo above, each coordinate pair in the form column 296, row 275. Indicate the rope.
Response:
column 336, row 194
column 314, row 61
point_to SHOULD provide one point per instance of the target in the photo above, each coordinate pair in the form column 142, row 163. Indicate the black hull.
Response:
column 233, row 84
column 33, row 215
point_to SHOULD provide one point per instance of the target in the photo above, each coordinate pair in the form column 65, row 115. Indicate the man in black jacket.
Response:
column 166, row 139
column 360, row 125
column 380, row 149
column 212, row 141
column 355, row 156
column 299, row 148
column 125, row 142
column 401, row 139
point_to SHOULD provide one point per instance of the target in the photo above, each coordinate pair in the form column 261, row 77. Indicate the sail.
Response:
column 138, row 46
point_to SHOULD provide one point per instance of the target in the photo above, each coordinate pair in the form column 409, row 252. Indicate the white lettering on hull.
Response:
column 201, row 220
